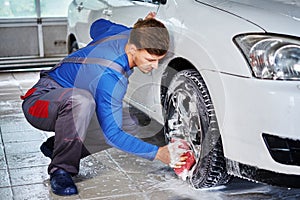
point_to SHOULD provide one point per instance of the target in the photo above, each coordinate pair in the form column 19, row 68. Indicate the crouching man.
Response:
column 92, row 80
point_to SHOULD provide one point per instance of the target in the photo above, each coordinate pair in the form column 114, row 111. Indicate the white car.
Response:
column 229, row 86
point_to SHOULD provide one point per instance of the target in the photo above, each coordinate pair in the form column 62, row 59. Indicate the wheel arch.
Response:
column 174, row 66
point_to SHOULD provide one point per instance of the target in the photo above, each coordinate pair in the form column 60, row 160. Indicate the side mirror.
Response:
column 163, row 2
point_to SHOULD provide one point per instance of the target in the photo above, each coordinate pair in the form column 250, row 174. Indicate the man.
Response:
column 91, row 79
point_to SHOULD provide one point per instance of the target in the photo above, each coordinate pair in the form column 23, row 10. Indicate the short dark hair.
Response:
column 151, row 35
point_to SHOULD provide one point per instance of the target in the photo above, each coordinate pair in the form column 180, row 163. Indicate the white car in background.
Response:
column 230, row 85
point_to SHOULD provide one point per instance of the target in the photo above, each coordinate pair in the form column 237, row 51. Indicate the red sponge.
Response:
column 190, row 161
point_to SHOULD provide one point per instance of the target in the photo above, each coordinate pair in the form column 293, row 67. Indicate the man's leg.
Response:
column 47, row 148
column 67, row 111
column 70, row 130
column 95, row 140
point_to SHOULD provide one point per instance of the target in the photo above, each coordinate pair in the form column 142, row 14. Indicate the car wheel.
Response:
column 190, row 115
column 73, row 47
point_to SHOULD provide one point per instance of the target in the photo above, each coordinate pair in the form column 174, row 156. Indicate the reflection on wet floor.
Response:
column 110, row 174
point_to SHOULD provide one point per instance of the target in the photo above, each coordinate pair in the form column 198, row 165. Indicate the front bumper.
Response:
column 248, row 108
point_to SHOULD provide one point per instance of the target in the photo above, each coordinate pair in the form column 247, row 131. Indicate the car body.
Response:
column 245, row 55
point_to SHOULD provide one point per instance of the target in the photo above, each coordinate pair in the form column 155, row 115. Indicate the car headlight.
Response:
column 270, row 56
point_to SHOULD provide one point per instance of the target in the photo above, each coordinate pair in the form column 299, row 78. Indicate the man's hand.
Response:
column 150, row 15
column 189, row 161
column 182, row 161
column 163, row 155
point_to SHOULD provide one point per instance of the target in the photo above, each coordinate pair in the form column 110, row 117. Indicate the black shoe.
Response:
column 62, row 183
column 47, row 147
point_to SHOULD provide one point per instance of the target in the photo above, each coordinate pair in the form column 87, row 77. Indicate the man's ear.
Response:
column 132, row 49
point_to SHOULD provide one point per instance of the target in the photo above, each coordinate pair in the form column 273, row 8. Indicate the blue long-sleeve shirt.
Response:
column 106, row 85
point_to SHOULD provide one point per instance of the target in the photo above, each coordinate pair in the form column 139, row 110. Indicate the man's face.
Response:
column 146, row 62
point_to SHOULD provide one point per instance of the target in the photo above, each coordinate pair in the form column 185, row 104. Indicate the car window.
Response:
column 60, row 7
column 13, row 9
column 18, row 9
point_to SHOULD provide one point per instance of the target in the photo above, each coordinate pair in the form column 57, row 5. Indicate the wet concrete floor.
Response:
column 110, row 174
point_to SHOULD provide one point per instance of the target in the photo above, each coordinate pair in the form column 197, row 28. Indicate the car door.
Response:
column 127, row 12
column 87, row 11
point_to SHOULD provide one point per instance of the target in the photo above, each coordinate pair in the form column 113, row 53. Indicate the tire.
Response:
column 190, row 115
column 73, row 47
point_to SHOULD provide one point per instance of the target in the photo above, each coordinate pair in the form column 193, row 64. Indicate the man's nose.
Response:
column 155, row 65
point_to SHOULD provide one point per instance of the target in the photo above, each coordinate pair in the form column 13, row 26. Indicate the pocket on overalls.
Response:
column 40, row 109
